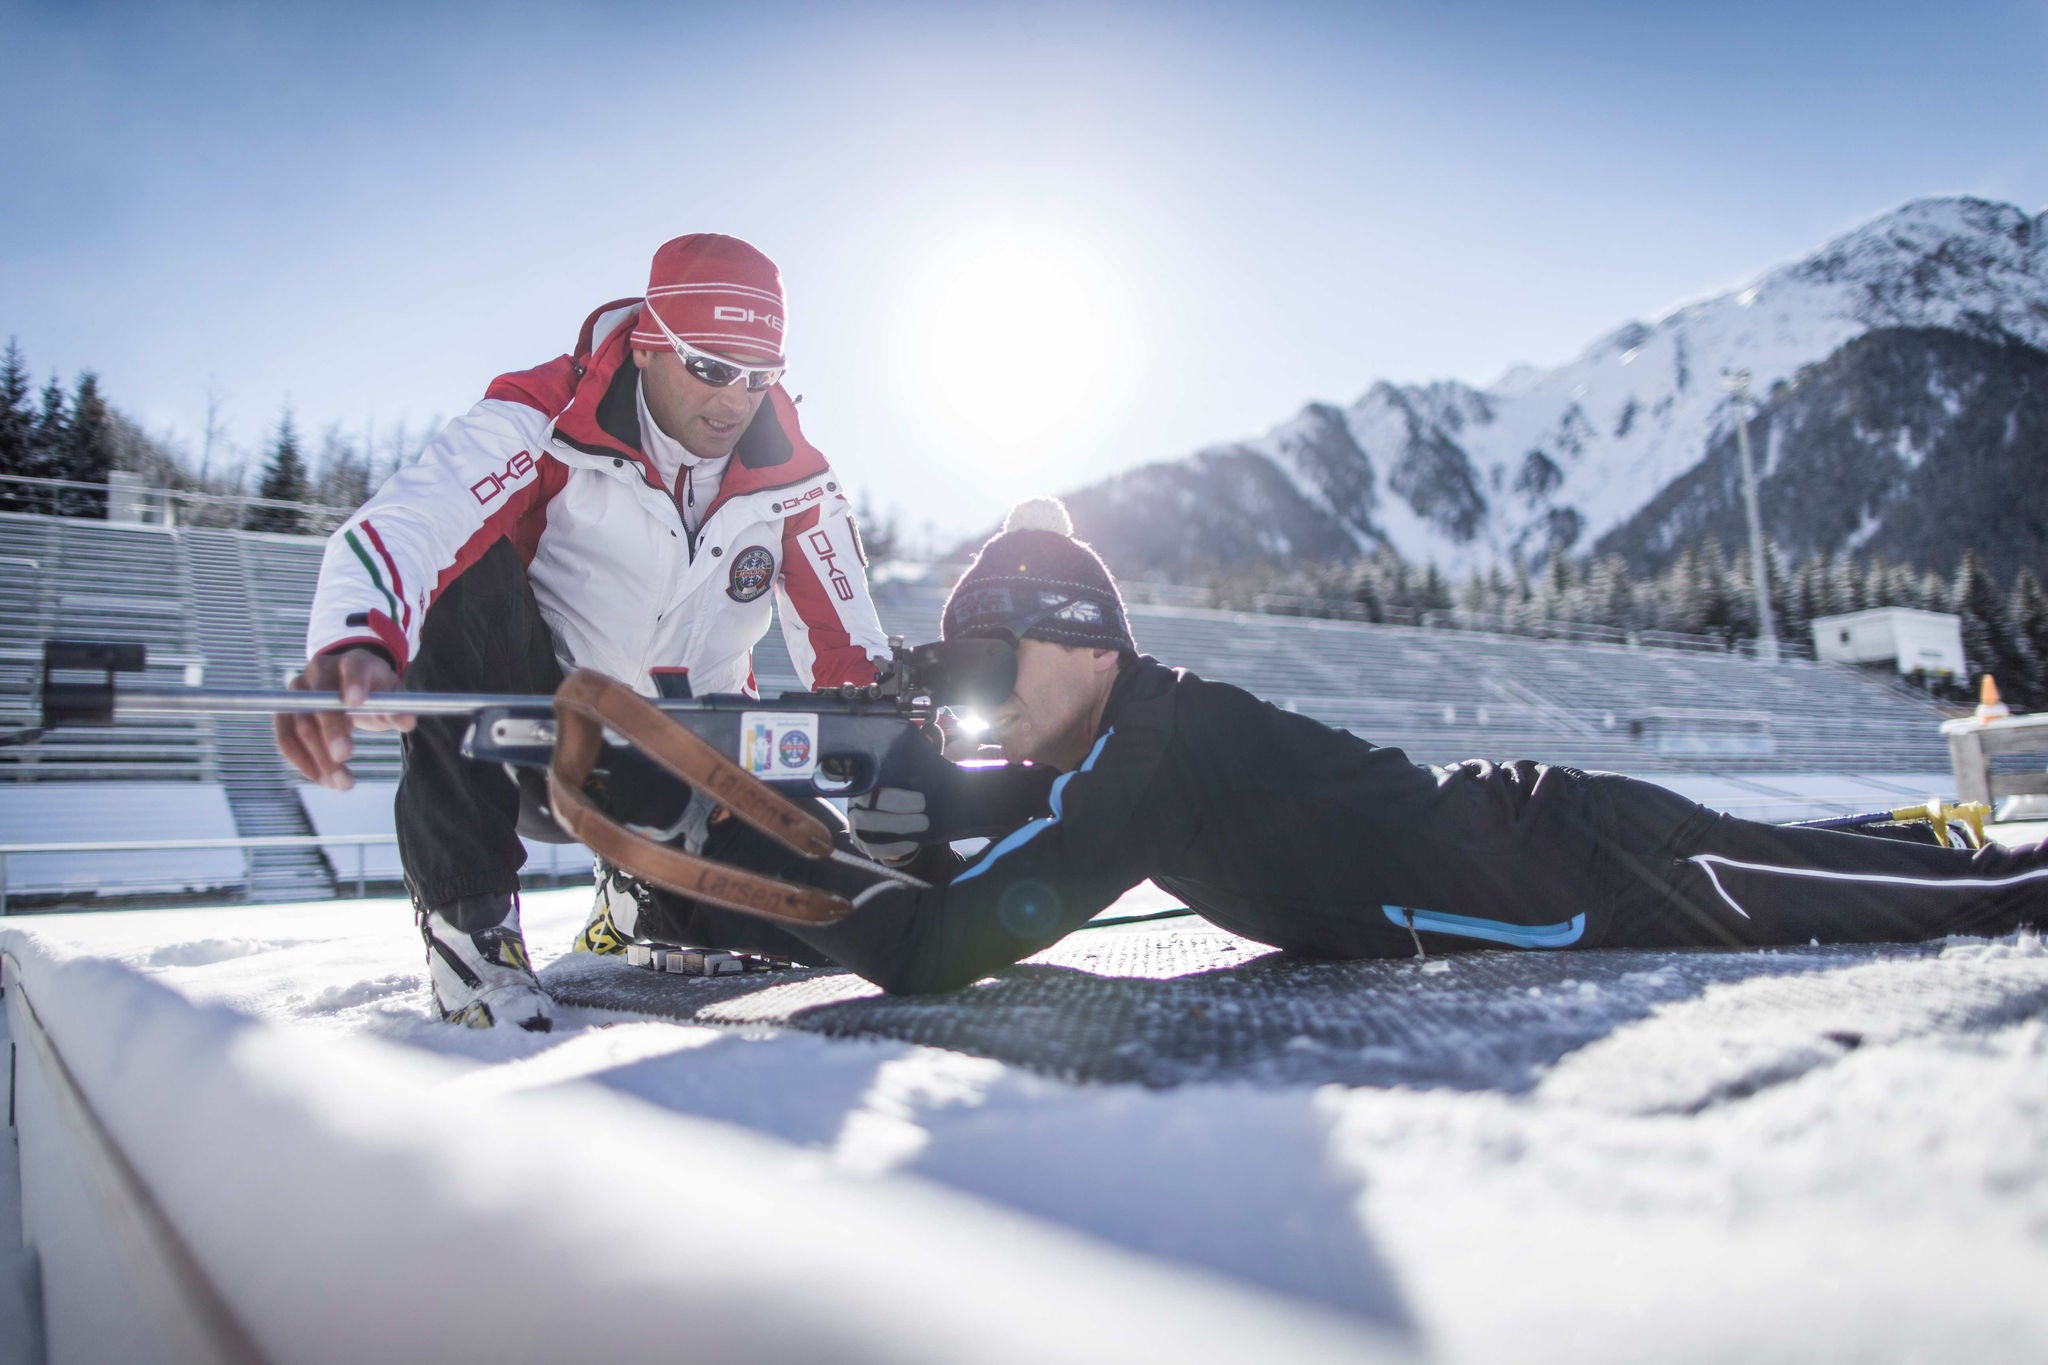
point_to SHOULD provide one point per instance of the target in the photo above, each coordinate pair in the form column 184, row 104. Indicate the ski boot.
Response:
column 615, row 916
column 481, row 976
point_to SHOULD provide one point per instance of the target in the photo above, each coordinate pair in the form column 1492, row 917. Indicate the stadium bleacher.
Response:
column 1781, row 740
column 366, row 809
column 93, row 812
column 105, row 583
column 1446, row 695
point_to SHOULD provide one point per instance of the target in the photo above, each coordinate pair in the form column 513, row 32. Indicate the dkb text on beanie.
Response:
column 716, row 292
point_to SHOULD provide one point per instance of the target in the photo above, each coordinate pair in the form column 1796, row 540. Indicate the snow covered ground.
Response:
column 1847, row 1163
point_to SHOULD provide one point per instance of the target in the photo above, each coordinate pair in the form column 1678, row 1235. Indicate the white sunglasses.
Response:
column 709, row 368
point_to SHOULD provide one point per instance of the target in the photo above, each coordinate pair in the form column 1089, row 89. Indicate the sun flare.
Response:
column 1017, row 340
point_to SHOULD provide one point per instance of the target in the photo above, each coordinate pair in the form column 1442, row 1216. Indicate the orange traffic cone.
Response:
column 1989, row 707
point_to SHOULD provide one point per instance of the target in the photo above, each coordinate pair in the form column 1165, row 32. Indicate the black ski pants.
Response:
column 1666, row 872
column 1686, row 876
column 459, row 821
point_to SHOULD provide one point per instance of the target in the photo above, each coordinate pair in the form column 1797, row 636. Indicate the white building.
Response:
column 1914, row 641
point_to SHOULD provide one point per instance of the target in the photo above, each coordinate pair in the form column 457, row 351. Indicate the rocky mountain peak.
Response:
column 1558, row 458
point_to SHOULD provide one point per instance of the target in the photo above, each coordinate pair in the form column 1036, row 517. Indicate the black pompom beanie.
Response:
column 1034, row 580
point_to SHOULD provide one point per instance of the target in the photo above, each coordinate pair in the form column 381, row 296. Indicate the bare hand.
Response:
column 319, row 743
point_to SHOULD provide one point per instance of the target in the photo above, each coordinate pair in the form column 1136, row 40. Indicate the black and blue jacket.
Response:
column 1270, row 824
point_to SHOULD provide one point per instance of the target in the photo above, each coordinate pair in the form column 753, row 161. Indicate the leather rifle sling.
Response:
column 586, row 704
column 619, row 708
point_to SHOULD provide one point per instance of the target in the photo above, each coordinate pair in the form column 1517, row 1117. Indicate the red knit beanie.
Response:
column 716, row 292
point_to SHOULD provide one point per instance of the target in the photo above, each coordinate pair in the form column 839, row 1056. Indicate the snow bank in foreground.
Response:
column 348, row 1203
column 1848, row 1164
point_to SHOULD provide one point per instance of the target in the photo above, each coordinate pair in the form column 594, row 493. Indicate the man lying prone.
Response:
column 1291, row 833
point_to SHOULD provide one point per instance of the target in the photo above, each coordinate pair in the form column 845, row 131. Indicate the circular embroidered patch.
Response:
column 795, row 748
column 753, row 569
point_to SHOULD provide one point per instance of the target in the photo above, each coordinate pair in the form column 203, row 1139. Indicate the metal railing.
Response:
column 1166, row 594
column 155, row 506
column 1333, row 609
column 1482, row 623
column 360, row 842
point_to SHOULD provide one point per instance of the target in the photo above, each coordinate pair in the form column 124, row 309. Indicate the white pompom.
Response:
column 1040, row 514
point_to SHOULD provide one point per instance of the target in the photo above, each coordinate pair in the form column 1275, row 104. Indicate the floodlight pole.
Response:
column 1737, row 382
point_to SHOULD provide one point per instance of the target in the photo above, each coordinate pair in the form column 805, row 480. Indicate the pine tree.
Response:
column 1608, row 596
column 1436, row 594
column 1843, row 588
column 1785, row 614
column 1927, row 591
column 1742, row 595
column 284, row 480
column 1811, row 591
column 87, row 453
column 1500, row 594
column 1555, row 594
column 1684, row 606
column 1987, row 634
column 53, row 422
column 1472, row 594
column 2028, row 615
column 17, row 426
column 1719, row 615
column 1395, row 588
column 1902, row 586
column 1882, row 586
column 46, row 444
column 1363, row 586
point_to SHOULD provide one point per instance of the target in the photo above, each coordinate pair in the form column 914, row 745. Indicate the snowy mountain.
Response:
column 1913, row 443
column 1627, row 448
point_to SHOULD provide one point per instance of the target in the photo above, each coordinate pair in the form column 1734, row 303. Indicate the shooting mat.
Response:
column 1166, row 1004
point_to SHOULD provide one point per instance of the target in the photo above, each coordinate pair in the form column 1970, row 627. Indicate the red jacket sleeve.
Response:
column 828, row 619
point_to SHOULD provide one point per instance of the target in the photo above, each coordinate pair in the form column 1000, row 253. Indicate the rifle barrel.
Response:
column 218, row 701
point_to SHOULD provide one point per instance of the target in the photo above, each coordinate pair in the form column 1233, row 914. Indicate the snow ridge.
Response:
column 1465, row 477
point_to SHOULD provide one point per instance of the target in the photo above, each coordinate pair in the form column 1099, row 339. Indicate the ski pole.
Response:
column 1938, row 813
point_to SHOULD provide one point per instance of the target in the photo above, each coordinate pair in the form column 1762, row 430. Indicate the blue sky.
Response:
column 1024, row 244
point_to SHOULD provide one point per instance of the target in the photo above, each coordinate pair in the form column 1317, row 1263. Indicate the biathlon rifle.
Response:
column 620, row 766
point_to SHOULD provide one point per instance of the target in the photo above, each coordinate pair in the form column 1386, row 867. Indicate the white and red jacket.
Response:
column 551, row 460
